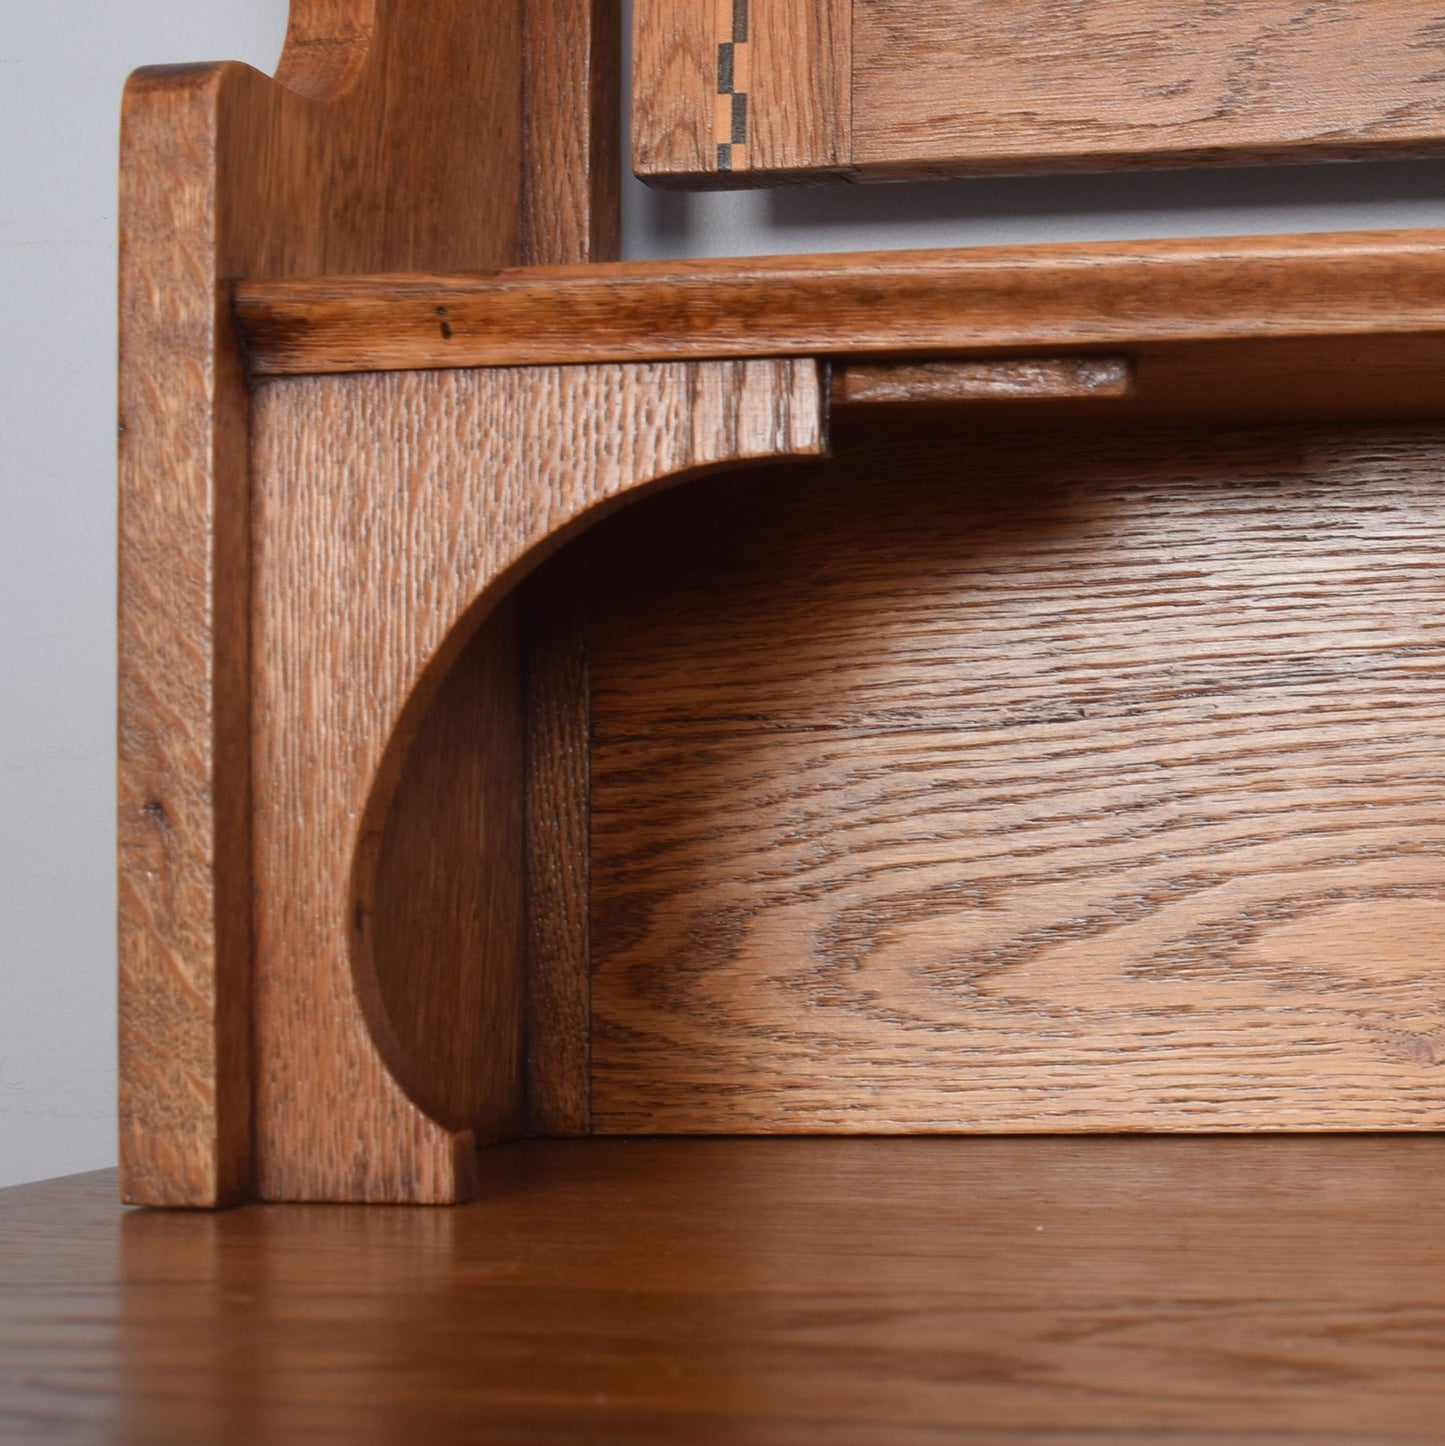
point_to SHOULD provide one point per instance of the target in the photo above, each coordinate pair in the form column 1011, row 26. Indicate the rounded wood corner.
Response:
column 328, row 46
column 395, row 589
column 450, row 780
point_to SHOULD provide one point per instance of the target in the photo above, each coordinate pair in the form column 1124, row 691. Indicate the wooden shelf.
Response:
column 870, row 303
column 1200, row 1290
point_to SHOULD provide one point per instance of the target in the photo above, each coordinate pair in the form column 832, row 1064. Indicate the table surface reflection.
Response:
column 845, row 1290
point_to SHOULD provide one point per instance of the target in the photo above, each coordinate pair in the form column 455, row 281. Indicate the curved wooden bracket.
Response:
column 380, row 545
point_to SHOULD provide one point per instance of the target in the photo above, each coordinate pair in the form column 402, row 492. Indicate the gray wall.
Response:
column 62, row 64
column 61, row 69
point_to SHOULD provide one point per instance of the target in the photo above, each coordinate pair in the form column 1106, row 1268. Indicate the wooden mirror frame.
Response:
column 731, row 93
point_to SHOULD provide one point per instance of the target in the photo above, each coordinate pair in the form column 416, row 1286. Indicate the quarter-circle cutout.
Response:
column 409, row 888
column 328, row 46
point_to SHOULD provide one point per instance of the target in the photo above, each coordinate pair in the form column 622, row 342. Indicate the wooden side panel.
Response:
column 394, row 140
column 225, row 173
column 183, row 801
column 1011, row 783
column 391, row 514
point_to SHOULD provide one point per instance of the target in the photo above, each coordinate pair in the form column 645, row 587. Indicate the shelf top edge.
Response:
column 901, row 303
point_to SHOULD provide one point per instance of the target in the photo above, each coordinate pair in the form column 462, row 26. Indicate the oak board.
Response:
column 397, row 134
column 754, row 92
column 394, row 514
column 997, row 781
column 1360, row 285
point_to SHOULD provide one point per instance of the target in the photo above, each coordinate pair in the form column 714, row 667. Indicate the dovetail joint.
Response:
column 730, row 123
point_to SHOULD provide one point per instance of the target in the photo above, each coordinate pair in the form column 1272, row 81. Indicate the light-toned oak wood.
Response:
column 558, row 724
column 1010, row 379
column 968, row 86
column 986, row 781
column 738, row 90
column 895, row 88
column 448, row 919
column 571, row 132
column 677, row 48
column 392, row 512
column 1154, row 1292
column 799, row 87
column 1038, row 298
column 398, row 135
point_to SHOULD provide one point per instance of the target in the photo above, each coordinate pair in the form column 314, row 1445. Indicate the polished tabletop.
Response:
column 840, row 1291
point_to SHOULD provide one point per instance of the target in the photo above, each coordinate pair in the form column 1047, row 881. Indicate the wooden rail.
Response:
column 866, row 304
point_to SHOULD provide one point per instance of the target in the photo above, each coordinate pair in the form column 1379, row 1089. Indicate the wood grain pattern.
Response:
column 182, row 831
column 571, row 212
column 559, row 1004
column 967, row 86
column 391, row 514
column 800, row 85
column 1009, row 379
column 998, row 782
column 674, row 87
column 451, row 924
column 393, row 138
column 892, row 303
column 1149, row 1291
column 336, row 638
column 571, row 132
column 196, row 210
column 740, row 91
column 906, row 88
